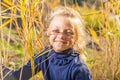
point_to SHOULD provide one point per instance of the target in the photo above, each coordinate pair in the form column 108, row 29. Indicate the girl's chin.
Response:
column 59, row 49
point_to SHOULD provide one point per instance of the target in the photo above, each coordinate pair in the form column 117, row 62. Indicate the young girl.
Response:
column 60, row 61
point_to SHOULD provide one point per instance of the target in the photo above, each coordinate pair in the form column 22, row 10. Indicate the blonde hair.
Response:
column 76, row 21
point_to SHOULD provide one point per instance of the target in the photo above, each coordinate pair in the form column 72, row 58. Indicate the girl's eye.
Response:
column 66, row 32
column 54, row 32
column 69, row 33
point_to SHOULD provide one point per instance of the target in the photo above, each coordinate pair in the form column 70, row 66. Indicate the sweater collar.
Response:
column 63, row 54
column 62, row 58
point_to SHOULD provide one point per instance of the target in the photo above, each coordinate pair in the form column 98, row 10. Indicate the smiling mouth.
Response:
column 64, row 42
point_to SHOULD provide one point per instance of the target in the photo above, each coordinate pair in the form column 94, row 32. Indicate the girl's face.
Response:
column 61, row 33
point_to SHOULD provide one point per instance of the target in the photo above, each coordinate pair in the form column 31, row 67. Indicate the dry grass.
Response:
column 22, row 34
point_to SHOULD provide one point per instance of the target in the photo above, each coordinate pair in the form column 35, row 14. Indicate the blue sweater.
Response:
column 66, row 65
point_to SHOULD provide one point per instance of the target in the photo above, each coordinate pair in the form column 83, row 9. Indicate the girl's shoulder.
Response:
column 77, row 58
column 79, row 64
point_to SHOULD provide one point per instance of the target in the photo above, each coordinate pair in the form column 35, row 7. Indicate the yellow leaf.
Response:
column 23, row 12
column 93, row 13
column 5, row 5
column 6, row 23
column 14, row 10
column 94, row 34
column 9, row 2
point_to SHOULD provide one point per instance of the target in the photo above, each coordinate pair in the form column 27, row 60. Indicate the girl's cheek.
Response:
column 51, row 38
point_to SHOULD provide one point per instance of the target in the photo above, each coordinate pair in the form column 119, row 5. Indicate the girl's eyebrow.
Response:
column 57, row 27
column 64, row 29
column 54, row 26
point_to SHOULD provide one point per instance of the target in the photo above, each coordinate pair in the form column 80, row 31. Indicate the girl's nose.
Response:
column 61, row 35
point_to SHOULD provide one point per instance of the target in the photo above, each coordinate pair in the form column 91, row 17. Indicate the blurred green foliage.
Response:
column 20, row 39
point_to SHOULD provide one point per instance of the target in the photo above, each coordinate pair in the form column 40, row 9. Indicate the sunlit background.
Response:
column 22, row 33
